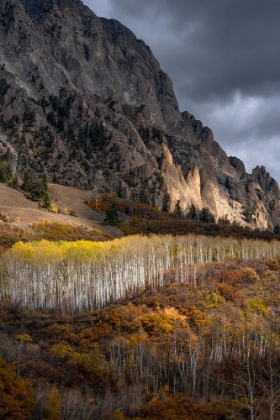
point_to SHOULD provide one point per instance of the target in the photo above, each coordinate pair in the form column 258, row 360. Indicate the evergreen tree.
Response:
column 206, row 216
column 46, row 201
column 166, row 203
column 6, row 172
column 26, row 182
column 178, row 210
column 14, row 182
column 192, row 213
column 248, row 214
column 276, row 229
column 112, row 215
column 37, row 189
column 44, row 181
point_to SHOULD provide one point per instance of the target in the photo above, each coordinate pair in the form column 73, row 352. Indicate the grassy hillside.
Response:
column 69, row 208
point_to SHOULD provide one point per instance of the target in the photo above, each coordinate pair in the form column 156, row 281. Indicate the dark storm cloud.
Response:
column 223, row 58
column 222, row 43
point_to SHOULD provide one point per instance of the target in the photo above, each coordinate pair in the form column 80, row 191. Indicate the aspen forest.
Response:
column 143, row 327
column 74, row 277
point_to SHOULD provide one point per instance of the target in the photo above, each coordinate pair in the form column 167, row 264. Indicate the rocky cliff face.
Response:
column 86, row 102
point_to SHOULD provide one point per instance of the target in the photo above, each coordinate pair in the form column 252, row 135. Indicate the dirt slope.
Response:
column 17, row 206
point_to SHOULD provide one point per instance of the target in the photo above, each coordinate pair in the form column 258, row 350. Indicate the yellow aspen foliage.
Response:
column 46, row 251
column 135, row 339
column 257, row 305
column 159, row 323
column 23, row 338
column 22, row 250
column 53, row 208
column 211, row 300
column 62, row 351
column 116, row 319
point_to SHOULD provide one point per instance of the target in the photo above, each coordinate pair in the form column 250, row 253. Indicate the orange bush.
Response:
column 227, row 291
column 16, row 395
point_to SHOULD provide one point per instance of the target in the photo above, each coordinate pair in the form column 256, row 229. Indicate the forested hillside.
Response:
column 141, row 328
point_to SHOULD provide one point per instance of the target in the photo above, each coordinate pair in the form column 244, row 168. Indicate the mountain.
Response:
column 86, row 102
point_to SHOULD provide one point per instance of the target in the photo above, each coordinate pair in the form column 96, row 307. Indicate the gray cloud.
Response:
column 222, row 56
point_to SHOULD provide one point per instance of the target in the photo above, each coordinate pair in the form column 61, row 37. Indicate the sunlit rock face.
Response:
column 83, row 100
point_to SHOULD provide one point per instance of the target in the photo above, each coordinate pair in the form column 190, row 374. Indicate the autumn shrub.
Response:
column 4, row 216
column 76, row 367
column 55, row 231
column 273, row 263
column 211, row 300
column 73, row 213
column 65, row 332
column 118, row 322
column 117, row 415
column 87, row 340
column 53, row 208
column 102, row 202
column 228, row 276
column 197, row 318
column 158, row 323
column 227, row 291
column 182, row 407
column 16, row 395
column 249, row 275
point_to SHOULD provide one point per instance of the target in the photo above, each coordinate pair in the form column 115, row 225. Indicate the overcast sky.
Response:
column 224, row 60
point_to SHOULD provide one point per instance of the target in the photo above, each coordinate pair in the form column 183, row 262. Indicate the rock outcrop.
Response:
column 86, row 102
